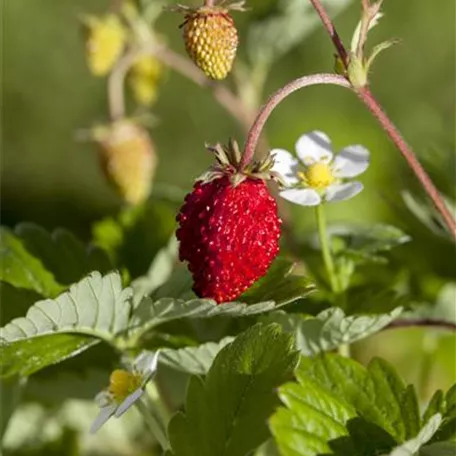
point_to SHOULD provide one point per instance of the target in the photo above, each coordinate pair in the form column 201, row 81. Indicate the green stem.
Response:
column 325, row 249
column 154, row 423
column 344, row 350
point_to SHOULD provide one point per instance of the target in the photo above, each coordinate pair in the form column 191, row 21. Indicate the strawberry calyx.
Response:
column 228, row 160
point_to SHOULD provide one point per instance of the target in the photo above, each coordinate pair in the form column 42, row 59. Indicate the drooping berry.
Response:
column 229, row 233
column 106, row 38
column 211, row 38
column 144, row 78
column 128, row 159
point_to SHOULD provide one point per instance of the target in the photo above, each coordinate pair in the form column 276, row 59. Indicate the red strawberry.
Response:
column 228, row 228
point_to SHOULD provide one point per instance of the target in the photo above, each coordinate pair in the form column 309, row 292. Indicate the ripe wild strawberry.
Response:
column 211, row 38
column 228, row 227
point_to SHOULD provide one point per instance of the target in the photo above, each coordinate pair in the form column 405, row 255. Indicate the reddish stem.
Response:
column 329, row 26
column 258, row 125
column 368, row 99
column 442, row 324
column 373, row 105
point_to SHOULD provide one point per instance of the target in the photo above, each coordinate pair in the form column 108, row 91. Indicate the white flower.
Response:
column 319, row 176
column 125, row 388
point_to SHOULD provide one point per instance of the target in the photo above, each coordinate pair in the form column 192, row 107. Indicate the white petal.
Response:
column 351, row 161
column 286, row 165
column 301, row 196
column 128, row 402
column 146, row 364
column 103, row 416
column 313, row 147
column 340, row 192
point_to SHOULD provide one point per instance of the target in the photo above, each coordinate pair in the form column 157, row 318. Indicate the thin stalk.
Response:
column 387, row 125
column 267, row 109
column 154, row 423
column 390, row 129
column 325, row 248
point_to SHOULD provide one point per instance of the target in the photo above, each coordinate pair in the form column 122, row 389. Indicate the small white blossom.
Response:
column 125, row 388
column 319, row 175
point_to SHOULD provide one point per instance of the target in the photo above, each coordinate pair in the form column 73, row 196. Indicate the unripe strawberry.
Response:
column 229, row 229
column 211, row 38
column 128, row 159
column 144, row 78
column 106, row 37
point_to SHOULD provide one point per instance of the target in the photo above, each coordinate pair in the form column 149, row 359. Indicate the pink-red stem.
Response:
column 258, row 125
column 367, row 97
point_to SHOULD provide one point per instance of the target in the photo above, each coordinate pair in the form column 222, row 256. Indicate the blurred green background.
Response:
column 51, row 178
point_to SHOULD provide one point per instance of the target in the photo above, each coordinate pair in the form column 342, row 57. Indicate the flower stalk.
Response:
column 325, row 248
column 254, row 133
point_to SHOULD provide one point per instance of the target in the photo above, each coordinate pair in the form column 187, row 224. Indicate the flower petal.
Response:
column 341, row 192
column 301, row 196
column 146, row 365
column 313, row 147
column 103, row 416
column 128, row 402
column 286, row 165
column 351, row 161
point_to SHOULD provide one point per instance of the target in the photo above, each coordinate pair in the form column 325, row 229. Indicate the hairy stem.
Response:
column 258, row 125
column 368, row 99
column 329, row 26
column 366, row 96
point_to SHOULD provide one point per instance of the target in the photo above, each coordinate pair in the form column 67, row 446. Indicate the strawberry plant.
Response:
column 206, row 321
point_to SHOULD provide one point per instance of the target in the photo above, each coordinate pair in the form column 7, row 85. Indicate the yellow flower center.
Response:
column 122, row 383
column 318, row 176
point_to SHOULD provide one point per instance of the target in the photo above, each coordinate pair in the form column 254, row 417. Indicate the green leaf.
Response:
column 377, row 393
column 95, row 308
column 339, row 407
column 360, row 243
column 20, row 268
column 27, row 356
column 317, row 421
column 312, row 418
column 438, row 449
column 193, row 360
column 62, row 254
column 150, row 314
column 237, row 396
column 279, row 285
column 412, row 446
column 330, row 328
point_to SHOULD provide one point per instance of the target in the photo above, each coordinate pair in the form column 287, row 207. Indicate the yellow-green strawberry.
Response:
column 128, row 159
column 211, row 38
